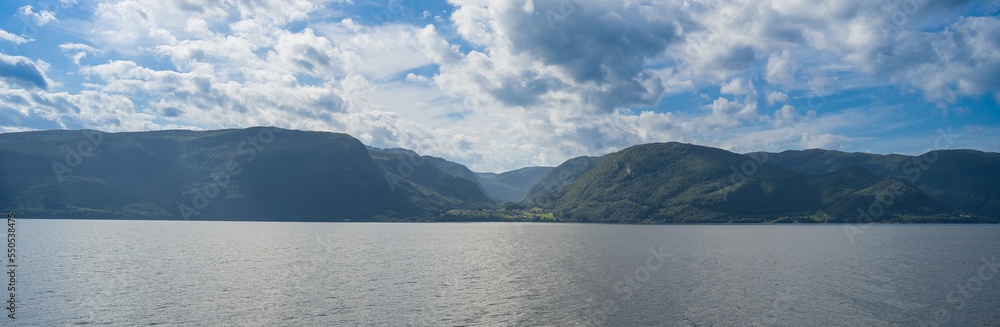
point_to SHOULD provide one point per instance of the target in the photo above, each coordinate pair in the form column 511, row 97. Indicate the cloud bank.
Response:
column 503, row 84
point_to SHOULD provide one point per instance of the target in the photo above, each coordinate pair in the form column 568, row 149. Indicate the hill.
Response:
column 553, row 179
column 682, row 183
column 267, row 173
column 962, row 179
column 511, row 186
column 260, row 173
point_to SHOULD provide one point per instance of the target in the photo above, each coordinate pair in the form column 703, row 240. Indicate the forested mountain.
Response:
column 267, row 173
column 511, row 186
column 553, row 179
column 240, row 174
column 966, row 180
column 674, row 182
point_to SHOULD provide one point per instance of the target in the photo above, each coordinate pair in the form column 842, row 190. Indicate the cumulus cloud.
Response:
column 774, row 97
column 307, row 53
column 40, row 18
column 736, row 87
column 959, row 61
column 411, row 77
column 788, row 116
column 127, row 27
column 509, row 83
column 823, row 141
column 7, row 36
column 780, row 69
column 596, row 50
column 78, row 51
column 22, row 71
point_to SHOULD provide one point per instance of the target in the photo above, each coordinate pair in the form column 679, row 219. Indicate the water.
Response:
column 83, row 272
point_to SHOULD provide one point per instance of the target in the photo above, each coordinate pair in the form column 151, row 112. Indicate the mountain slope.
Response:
column 454, row 169
column 266, row 173
column 962, row 179
column 673, row 182
column 966, row 180
column 677, row 182
column 553, row 179
column 240, row 174
column 425, row 184
column 893, row 200
column 513, row 185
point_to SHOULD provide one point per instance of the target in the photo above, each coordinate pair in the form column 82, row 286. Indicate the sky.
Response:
column 499, row 85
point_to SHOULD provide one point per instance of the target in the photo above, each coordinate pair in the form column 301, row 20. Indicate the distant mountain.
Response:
column 674, row 182
column 845, row 191
column 266, row 173
column 568, row 172
column 962, row 179
column 511, row 186
column 239, row 174
column 427, row 186
column 448, row 167
column 454, row 169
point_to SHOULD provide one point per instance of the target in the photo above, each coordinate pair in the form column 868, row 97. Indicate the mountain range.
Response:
column 269, row 173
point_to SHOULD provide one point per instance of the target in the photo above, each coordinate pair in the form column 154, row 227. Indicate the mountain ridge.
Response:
column 269, row 173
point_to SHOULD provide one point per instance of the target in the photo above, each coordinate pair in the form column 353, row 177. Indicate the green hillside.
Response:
column 426, row 185
column 240, row 174
column 674, row 182
column 266, row 173
column 555, row 178
column 511, row 186
column 965, row 180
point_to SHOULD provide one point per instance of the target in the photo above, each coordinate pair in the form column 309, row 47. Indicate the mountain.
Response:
column 567, row 172
column 240, row 174
column 448, row 167
column 511, row 186
column 267, row 173
column 674, row 182
column 818, row 161
column 425, row 184
column 962, row 179
column 666, row 182
column 854, row 194
column 454, row 169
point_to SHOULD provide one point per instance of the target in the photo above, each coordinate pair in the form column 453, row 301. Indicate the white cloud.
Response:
column 127, row 27
column 7, row 36
column 496, row 86
column 40, row 18
column 823, row 85
column 788, row 116
column 735, row 87
column 388, row 51
column 780, row 69
column 776, row 97
column 824, row 141
column 78, row 50
column 307, row 53
column 411, row 77
column 960, row 58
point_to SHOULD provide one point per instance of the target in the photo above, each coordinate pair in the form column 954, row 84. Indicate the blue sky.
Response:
column 499, row 85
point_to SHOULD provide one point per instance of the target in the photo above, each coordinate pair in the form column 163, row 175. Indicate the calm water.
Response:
column 250, row 273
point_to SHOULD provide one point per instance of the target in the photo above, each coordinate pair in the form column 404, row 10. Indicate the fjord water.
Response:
column 345, row 274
